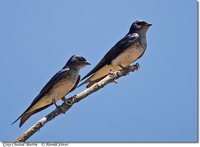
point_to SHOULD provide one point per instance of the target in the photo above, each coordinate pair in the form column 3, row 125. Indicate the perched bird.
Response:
column 63, row 82
column 126, row 51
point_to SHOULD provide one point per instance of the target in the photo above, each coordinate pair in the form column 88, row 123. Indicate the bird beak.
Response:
column 149, row 25
column 87, row 63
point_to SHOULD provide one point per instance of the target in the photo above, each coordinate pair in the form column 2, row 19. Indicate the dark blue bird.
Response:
column 126, row 51
column 63, row 82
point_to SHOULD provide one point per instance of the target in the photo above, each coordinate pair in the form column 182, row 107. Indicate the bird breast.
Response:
column 61, row 88
column 124, row 59
column 129, row 55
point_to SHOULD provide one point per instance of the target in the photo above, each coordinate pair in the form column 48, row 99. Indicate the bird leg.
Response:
column 137, row 66
column 58, row 107
column 115, row 81
column 63, row 99
column 74, row 99
column 125, row 68
column 112, row 73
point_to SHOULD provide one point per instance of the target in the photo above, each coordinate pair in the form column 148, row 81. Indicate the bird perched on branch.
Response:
column 63, row 82
column 126, row 51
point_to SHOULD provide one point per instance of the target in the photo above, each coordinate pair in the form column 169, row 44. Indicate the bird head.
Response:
column 77, row 62
column 139, row 26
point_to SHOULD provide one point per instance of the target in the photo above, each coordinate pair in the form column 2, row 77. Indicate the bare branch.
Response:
column 68, row 103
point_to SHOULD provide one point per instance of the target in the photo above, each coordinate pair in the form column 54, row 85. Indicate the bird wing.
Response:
column 76, row 84
column 58, row 76
column 117, row 49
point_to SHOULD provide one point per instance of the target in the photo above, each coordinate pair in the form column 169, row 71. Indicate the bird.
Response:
column 126, row 51
column 62, row 83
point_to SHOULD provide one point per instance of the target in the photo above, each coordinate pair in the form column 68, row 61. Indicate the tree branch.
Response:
column 68, row 103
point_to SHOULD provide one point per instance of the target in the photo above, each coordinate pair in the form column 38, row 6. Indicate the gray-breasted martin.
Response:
column 63, row 82
column 126, row 51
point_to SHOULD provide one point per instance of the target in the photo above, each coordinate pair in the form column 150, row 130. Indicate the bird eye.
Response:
column 80, row 59
column 83, row 59
column 141, row 23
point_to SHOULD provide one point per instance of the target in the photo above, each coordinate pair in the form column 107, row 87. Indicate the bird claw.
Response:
column 111, row 73
column 74, row 99
column 126, row 69
column 137, row 66
column 64, row 99
column 58, row 107
column 115, row 81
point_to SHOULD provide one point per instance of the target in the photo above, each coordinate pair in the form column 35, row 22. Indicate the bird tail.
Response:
column 23, row 119
column 26, row 115
column 16, row 120
column 90, row 83
column 82, row 83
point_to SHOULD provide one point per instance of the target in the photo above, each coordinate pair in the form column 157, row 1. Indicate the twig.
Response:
column 68, row 103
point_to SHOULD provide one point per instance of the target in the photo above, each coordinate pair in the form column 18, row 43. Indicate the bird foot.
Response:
column 111, row 72
column 58, row 107
column 126, row 69
column 115, row 81
column 75, row 99
column 64, row 99
column 137, row 66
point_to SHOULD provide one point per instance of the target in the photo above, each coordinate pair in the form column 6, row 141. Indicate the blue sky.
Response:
column 158, row 103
